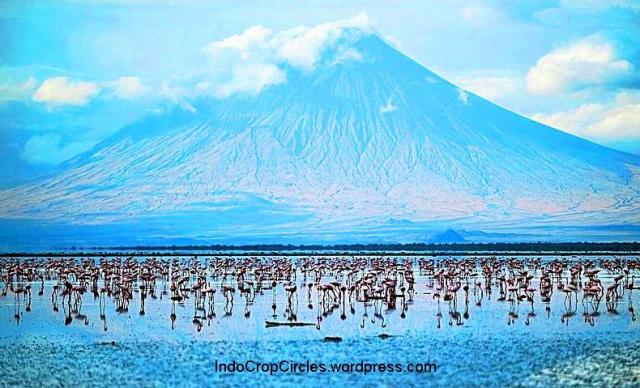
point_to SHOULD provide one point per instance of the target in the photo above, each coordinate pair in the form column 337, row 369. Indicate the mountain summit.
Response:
column 366, row 145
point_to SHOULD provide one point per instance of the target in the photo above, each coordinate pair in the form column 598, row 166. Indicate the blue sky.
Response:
column 74, row 72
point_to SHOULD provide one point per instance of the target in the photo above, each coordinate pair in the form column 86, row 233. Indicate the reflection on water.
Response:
column 356, row 298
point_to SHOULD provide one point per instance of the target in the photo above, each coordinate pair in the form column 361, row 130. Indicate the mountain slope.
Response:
column 342, row 149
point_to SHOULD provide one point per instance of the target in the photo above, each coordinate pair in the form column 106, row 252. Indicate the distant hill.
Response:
column 449, row 236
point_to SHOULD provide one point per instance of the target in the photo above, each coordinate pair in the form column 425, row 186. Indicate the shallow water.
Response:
column 539, row 347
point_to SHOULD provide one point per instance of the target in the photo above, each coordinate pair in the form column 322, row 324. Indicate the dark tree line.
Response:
column 412, row 247
column 462, row 249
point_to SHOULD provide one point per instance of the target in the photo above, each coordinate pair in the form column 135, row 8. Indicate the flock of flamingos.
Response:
column 378, row 285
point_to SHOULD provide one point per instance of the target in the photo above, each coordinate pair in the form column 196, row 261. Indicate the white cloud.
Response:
column 348, row 55
column 12, row 91
column 251, row 79
column 302, row 46
column 172, row 92
column 128, row 87
column 491, row 88
column 463, row 96
column 48, row 149
column 388, row 107
column 62, row 91
column 478, row 14
column 575, row 120
column 591, row 61
column 177, row 94
column 258, row 49
column 250, row 45
column 620, row 123
column 613, row 121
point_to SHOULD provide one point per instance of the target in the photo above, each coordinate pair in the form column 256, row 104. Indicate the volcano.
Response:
column 376, row 148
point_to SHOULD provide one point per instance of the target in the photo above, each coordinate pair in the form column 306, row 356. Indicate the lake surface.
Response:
column 495, row 343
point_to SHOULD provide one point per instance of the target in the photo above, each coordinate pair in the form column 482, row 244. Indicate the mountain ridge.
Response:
column 343, row 147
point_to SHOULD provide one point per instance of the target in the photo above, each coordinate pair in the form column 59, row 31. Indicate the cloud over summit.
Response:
column 256, row 58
